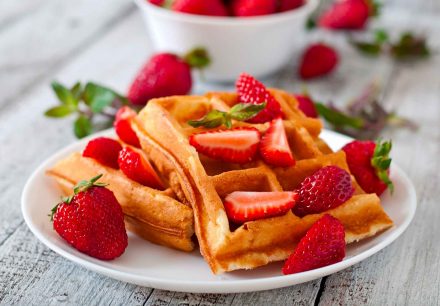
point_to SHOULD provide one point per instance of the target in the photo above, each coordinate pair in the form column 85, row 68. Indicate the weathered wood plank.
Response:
column 407, row 272
column 33, row 47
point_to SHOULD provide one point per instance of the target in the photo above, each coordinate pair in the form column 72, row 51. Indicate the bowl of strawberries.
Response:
column 256, row 36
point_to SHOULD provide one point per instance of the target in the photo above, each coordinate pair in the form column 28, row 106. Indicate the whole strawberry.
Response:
column 166, row 74
column 307, row 106
column 323, row 245
column 287, row 5
column 318, row 60
column 346, row 14
column 92, row 221
column 369, row 163
column 200, row 7
column 247, row 8
column 327, row 188
column 252, row 91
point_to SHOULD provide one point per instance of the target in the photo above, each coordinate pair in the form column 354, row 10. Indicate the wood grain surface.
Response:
column 106, row 41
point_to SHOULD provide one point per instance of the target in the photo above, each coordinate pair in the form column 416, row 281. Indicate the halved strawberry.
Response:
column 253, row 91
column 243, row 206
column 123, row 127
column 139, row 169
column 237, row 145
column 323, row 245
column 274, row 147
column 104, row 150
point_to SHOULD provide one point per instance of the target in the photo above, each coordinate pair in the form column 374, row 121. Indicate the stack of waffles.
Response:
column 197, row 185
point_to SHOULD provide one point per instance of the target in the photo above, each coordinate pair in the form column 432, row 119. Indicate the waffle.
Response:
column 157, row 216
column 163, row 131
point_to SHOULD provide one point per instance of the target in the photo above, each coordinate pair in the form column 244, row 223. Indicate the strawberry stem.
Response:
column 381, row 162
column 197, row 58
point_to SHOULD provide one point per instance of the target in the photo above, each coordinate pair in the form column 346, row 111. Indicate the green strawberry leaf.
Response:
column 381, row 162
column 59, row 111
column 65, row 96
column 82, row 126
column 54, row 210
column 338, row 118
column 86, row 184
column 98, row 97
column 246, row 111
column 212, row 119
column 197, row 58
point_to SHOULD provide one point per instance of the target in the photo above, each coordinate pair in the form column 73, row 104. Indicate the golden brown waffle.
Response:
column 163, row 131
column 157, row 216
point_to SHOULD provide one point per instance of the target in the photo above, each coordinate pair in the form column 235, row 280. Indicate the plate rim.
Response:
column 221, row 285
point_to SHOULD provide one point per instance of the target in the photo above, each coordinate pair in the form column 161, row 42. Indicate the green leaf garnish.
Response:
column 98, row 97
column 239, row 112
column 338, row 118
column 65, row 96
column 59, row 111
column 410, row 46
column 82, row 127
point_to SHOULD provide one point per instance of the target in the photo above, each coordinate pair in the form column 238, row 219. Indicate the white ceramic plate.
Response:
column 150, row 265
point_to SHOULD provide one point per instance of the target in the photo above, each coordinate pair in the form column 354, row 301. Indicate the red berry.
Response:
column 360, row 155
column 243, row 206
column 104, row 150
column 327, row 188
column 346, row 14
column 274, row 147
column 318, row 59
column 323, row 245
column 237, row 145
column 123, row 126
column 93, row 223
column 200, row 7
column 138, row 168
column 163, row 75
column 307, row 106
column 247, row 8
column 252, row 91
column 157, row 2
column 287, row 5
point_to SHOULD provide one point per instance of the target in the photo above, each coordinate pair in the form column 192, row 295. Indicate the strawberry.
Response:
column 327, row 188
column 138, row 168
column 318, row 59
column 323, row 245
column 274, row 147
column 243, row 206
column 247, row 8
column 307, row 106
column 287, row 5
column 200, row 7
column 346, row 14
column 157, row 2
column 252, row 91
column 123, row 127
column 104, row 150
column 369, row 163
column 92, row 221
column 237, row 145
column 164, row 74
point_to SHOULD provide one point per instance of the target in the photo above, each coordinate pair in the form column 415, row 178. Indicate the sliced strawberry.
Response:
column 274, row 147
column 243, row 206
column 237, row 145
column 139, row 169
column 323, row 245
column 123, row 127
column 307, row 106
column 104, row 150
column 252, row 91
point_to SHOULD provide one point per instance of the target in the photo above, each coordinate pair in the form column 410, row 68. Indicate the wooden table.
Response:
column 106, row 41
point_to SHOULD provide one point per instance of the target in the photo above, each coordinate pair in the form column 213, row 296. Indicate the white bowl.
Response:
column 257, row 45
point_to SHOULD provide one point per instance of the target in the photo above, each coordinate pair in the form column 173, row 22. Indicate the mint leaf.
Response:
column 338, row 118
column 246, row 111
column 76, row 90
column 213, row 119
column 98, row 97
column 410, row 46
column 82, row 126
column 381, row 36
column 367, row 48
column 65, row 96
column 59, row 111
